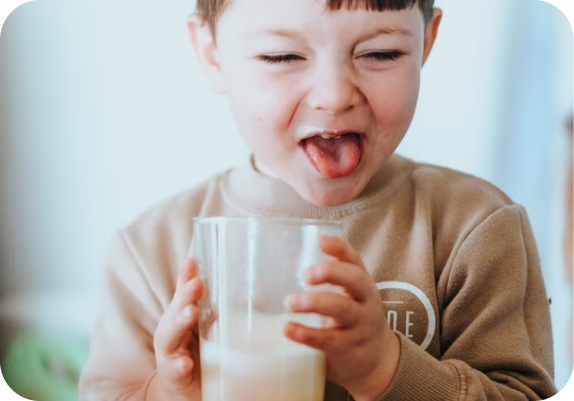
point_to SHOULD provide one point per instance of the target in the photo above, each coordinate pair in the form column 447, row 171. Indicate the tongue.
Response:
column 334, row 158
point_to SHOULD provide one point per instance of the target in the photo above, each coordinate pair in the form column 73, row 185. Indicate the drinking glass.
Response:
column 249, row 266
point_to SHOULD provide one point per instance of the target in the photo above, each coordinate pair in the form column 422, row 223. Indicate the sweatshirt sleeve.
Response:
column 121, row 361
column 495, row 332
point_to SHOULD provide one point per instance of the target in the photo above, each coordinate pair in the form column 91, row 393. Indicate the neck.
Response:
column 263, row 169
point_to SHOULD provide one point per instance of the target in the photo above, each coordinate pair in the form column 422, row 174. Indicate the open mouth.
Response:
column 334, row 154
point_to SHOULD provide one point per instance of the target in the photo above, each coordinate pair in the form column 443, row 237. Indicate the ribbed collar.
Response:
column 259, row 195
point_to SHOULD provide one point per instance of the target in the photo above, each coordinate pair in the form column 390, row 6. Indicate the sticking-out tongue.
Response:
column 334, row 157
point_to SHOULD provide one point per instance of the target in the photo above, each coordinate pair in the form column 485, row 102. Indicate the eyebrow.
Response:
column 286, row 33
column 290, row 34
column 397, row 31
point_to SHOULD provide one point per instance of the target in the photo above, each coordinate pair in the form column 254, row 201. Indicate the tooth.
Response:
column 324, row 136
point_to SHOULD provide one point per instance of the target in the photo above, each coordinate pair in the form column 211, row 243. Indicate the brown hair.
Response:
column 211, row 10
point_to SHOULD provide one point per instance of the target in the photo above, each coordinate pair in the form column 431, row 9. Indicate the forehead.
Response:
column 264, row 16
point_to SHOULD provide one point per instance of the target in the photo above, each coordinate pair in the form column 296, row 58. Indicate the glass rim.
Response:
column 279, row 220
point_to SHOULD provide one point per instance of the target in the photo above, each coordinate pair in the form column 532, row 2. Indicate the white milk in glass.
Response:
column 253, row 361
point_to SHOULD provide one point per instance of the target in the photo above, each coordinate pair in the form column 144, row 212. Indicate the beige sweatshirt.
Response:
column 454, row 259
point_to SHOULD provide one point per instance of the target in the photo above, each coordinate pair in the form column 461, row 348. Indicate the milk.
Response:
column 253, row 361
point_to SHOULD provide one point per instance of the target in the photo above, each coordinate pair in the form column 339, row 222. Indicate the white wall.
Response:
column 104, row 112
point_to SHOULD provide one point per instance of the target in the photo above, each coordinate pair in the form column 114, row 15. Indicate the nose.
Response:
column 333, row 90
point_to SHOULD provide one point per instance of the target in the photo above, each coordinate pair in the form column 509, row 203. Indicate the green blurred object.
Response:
column 43, row 368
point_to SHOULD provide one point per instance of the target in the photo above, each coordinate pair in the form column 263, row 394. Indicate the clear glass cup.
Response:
column 249, row 266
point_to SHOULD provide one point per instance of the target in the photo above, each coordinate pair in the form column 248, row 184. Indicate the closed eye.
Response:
column 383, row 56
column 280, row 58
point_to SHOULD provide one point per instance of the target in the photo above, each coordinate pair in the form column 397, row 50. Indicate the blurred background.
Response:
column 104, row 112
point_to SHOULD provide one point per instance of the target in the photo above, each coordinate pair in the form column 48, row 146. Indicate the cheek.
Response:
column 278, row 99
column 261, row 102
column 394, row 99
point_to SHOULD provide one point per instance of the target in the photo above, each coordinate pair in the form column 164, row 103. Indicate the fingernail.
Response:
column 308, row 276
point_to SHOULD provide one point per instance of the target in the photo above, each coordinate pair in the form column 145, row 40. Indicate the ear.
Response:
column 431, row 32
column 206, row 51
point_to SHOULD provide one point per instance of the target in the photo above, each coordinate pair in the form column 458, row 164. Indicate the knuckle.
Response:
column 361, row 341
column 332, row 266
column 306, row 301
column 185, row 315
column 322, row 339
column 348, row 308
column 188, row 287
column 321, row 271
column 196, row 287
column 306, row 335
column 327, row 341
column 181, row 367
column 315, row 301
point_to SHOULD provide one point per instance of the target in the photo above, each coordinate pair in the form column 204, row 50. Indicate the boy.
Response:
column 323, row 91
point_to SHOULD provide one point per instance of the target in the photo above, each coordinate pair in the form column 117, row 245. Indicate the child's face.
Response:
column 294, row 71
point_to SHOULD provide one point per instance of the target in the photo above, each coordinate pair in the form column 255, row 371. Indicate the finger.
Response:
column 188, row 293
column 340, row 249
column 177, row 371
column 187, row 272
column 354, row 279
column 174, row 328
column 325, row 339
column 339, row 307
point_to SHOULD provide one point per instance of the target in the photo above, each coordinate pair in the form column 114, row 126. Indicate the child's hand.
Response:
column 176, row 341
column 362, row 351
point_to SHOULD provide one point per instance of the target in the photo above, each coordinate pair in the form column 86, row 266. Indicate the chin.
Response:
column 327, row 197
column 328, row 192
column 327, row 201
